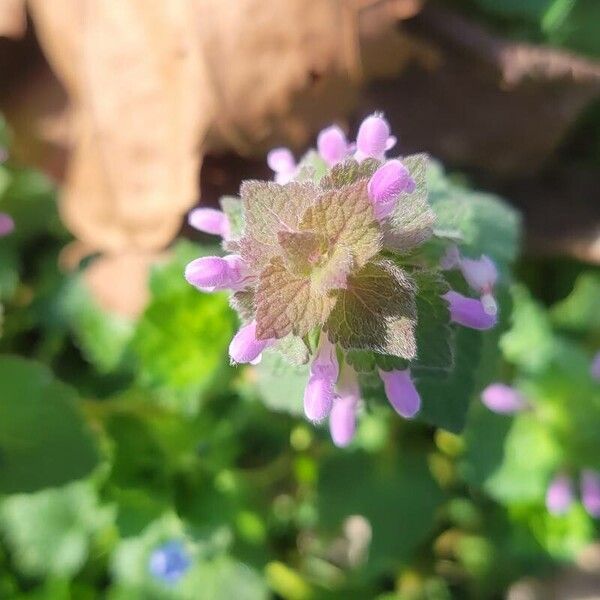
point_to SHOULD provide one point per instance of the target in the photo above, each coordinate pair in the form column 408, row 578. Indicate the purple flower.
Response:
column 211, row 273
column 281, row 161
column 503, row 399
column 590, row 491
column 559, row 495
column 332, row 145
column 451, row 259
column 373, row 139
column 319, row 392
column 386, row 185
column 6, row 224
column 595, row 367
column 401, row 392
column 245, row 347
column 481, row 275
column 342, row 420
column 469, row 312
column 169, row 562
column 210, row 220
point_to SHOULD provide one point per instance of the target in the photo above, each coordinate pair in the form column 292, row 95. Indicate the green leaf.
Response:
column 233, row 208
column 376, row 312
column 397, row 496
column 434, row 334
column 51, row 532
column 44, row 440
column 288, row 303
column 181, row 339
column 530, row 341
column 411, row 223
column 280, row 384
column 9, row 270
column 101, row 336
column 349, row 172
column 344, row 217
column 481, row 223
column 268, row 209
column 579, row 311
column 311, row 167
column 513, row 459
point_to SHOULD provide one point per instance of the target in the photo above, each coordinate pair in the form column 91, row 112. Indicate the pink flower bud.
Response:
column 590, row 491
column 469, row 312
column 559, row 495
column 209, row 220
column 595, row 367
column 373, row 138
column 281, row 161
column 332, row 145
column 401, row 392
column 386, row 185
column 245, row 347
column 7, row 225
column 325, row 361
column 211, row 273
column 342, row 420
column 503, row 399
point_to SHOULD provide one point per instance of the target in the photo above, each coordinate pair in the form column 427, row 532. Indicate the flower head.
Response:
column 326, row 267
column 481, row 275
column 169, row 562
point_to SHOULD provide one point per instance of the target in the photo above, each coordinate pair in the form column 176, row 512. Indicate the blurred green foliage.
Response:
column 118, row 434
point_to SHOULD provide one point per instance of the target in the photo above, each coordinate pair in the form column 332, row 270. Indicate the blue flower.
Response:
column 169, row 562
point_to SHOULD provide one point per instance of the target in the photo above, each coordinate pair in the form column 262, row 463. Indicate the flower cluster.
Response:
column 326, row 261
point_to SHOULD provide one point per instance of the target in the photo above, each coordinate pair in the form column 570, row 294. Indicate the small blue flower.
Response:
column 169, row 562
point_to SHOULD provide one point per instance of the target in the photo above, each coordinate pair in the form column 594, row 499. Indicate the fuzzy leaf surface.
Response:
column 376, row 312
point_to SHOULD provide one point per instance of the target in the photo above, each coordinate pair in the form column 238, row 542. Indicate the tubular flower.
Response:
column 332, row 145
column 401, row 392
column 210, row 220
column 7, row 225
column 595, row 367
column 385, row 186
column 373, row 139
column 469, row 312
column 211, row 273
column 590, row 491
column 342, row 420
column 281, row 161
column 319, row 392
column 245, row 347
column 327, row 267
column 560, row 496
column 503, row 399
column 481, row 275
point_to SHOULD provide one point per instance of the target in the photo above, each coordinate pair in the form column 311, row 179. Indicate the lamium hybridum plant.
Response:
column 339, row 263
